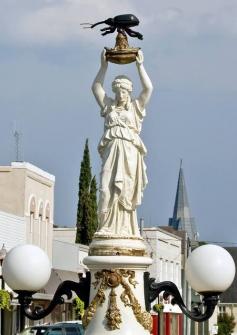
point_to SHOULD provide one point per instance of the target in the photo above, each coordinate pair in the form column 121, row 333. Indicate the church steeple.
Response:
column 182, row 219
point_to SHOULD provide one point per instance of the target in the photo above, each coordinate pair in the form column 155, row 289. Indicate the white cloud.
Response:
column 171, row 14
column 58, row 21
column 196, row 18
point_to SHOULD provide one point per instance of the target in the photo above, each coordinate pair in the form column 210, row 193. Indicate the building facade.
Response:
column 165, row 250
column 27, row 216
column 26, row 206
column 228, row 299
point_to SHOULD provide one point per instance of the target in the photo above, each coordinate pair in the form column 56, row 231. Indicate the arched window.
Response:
column 40, row 220
column 32, row 211
column 47, row 225
column 47, row 213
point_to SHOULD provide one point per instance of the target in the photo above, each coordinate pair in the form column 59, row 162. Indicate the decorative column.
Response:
column 117, row 303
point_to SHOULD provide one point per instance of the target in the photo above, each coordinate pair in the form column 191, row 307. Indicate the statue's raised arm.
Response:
column 97, row 86
column 146, row 92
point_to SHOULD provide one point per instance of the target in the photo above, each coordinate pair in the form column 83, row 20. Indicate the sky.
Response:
column 48, row 63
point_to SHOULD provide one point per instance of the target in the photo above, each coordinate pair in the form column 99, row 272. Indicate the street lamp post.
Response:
column 210, row 271
column 3, row 253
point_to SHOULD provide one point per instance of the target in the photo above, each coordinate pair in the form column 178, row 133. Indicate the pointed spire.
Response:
column 182, row 219
column 181, row 206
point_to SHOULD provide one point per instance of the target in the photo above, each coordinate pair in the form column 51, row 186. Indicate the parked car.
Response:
column 35, row 330
column 59, row 328
column 65, row 328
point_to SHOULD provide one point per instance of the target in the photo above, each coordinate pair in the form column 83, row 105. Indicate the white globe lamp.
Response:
column 210, row 268
column 26, row 268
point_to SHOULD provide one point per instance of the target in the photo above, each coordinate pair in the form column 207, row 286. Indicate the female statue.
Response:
column 123, row 173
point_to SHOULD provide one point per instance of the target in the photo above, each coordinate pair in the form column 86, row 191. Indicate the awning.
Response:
column 57, row 277
column 66, row 275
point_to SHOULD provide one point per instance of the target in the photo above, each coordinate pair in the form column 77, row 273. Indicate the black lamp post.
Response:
column 210, row 271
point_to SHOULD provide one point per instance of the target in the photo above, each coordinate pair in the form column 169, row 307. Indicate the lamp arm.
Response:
column 66, row 288
column 200, row 313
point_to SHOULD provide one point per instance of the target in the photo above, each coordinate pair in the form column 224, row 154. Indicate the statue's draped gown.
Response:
column 123, row 173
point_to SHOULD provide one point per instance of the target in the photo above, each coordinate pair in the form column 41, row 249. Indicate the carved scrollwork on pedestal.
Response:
column 110, row 279
column 90, row 311
column 113, row 314
column 129, row 299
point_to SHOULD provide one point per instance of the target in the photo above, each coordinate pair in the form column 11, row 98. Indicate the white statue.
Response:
column 123, row 172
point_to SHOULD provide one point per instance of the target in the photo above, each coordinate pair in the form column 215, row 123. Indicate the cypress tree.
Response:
column 87, row 201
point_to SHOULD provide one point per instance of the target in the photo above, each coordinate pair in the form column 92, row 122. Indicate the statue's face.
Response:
column 122, row 95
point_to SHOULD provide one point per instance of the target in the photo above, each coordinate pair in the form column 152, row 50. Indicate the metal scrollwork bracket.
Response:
column 82, row 290
column 199, row 313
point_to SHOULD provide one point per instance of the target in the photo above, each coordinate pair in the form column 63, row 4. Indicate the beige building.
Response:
column 26, row 206
column 27, row 216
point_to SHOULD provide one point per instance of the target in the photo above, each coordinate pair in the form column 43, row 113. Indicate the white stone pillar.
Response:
column 117, row 303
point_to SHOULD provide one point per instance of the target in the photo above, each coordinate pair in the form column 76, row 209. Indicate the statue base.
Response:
column 117, row 296
column 115, row 245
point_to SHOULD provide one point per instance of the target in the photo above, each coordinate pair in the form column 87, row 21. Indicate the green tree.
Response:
column 87, row 201
column 5, row 300
column 78, row 308
column 226, row 324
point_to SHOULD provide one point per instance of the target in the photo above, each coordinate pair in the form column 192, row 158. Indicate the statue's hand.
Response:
column 104, row 61
column 139, row 58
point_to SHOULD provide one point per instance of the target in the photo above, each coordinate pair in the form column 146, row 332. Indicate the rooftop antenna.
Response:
column 17, row 138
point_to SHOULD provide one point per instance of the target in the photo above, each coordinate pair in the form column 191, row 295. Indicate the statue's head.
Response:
column 122, row 87
column 122, row 82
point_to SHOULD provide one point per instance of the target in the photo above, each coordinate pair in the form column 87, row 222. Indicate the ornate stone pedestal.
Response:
column 117, row 303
